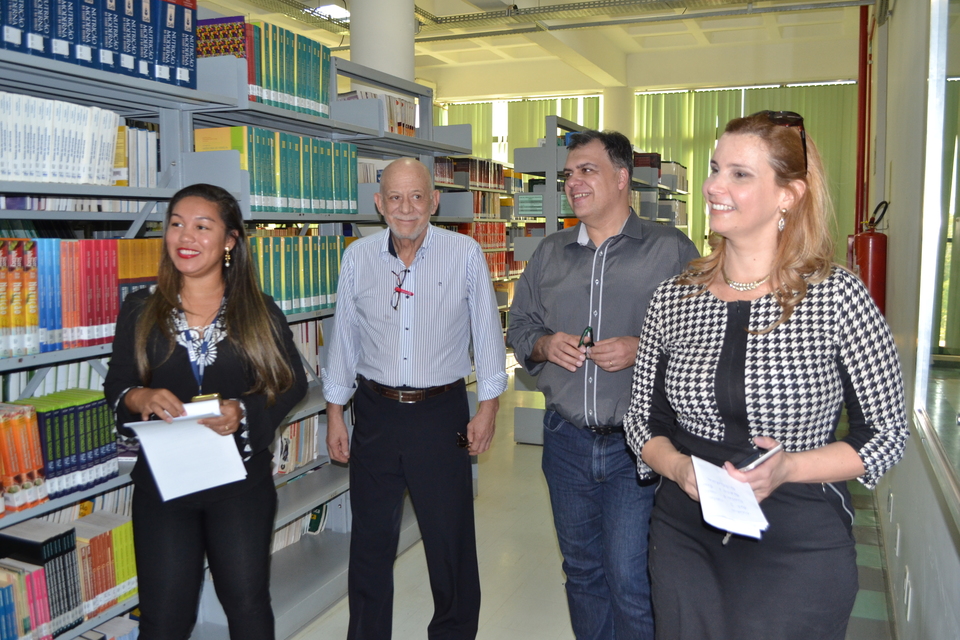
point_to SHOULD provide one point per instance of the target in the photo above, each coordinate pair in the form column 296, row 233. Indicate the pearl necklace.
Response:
column 744, row 286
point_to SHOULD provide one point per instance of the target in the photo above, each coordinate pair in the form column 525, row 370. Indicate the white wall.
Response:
column 929, row 541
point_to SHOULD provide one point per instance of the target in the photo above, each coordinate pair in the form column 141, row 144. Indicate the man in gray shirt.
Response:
column 597, row 276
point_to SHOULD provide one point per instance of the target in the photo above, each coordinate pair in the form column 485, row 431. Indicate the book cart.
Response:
column 548, row 161
column 311, row 575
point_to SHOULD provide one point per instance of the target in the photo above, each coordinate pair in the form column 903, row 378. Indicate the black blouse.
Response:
column 228, row 375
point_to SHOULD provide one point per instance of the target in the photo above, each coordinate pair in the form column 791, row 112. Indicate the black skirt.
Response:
column 798, row 582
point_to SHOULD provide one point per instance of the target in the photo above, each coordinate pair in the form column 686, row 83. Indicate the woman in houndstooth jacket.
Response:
column 764, row 341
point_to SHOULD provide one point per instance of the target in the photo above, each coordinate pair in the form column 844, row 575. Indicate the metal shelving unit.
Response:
column 309, row 576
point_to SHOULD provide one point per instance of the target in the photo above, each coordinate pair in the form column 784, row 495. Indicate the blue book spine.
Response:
column 46, row 428
column 9, row 627
column 110, row 42
column 39, row 27
column 165, row 56
column 13, row 23
column 87, row 50
column 187, row 44
column 64, row 40
column 43, row 302
column 146, row 37
column 129, row 35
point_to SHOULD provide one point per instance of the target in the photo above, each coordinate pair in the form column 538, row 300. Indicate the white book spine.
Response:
column 6, row 134
column 45, row 124
column 17, row 139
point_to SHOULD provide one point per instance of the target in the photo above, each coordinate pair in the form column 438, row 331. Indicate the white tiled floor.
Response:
column 520, row 576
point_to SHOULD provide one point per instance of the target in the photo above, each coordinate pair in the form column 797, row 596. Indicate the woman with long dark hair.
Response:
column 206, row 328
column 763, row 342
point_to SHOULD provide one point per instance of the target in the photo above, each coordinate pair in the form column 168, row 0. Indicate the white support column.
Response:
column 618, row 107
column 381, row 36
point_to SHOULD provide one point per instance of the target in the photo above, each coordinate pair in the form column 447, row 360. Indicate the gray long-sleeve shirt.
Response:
column 570, row 284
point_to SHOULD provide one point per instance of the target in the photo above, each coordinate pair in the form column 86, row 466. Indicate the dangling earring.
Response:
column 226, row 255
column 782, row 223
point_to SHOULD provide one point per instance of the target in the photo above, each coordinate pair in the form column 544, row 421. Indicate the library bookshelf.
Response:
column 309, row 576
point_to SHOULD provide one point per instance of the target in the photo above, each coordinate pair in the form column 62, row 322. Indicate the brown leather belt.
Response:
column 408, row 396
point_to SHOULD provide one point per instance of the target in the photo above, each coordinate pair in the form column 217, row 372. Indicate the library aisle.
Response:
column 523, row 596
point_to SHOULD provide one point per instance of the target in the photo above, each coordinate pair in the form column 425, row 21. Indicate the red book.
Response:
column 88, row 288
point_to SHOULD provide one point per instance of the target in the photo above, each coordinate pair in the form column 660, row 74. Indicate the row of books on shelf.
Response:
column 487, row 204
column 55, row 445
column 71, row 375
column 299, row 443
column 284, row 69
column 399, row 113
column 289, row 172
column 54, row 141
column 308, row 524
column 63, row 574
column 62, row 294
column 308, row 337
column 503, row 265
column 301, row 273
column 471, row 173
column 150, row 39
column 489, row 235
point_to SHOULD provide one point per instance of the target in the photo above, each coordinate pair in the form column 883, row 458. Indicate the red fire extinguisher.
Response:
column 870, row 257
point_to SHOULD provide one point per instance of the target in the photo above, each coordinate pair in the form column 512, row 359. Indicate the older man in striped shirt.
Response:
column 410, row 300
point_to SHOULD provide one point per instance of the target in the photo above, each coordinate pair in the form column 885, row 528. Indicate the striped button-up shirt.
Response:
column 570, row 284
column 425, row 341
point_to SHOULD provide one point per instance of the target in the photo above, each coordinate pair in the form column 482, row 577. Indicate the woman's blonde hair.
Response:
column 805, row 247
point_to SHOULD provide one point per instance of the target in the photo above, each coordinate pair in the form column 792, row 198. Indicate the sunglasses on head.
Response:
column 789, row 119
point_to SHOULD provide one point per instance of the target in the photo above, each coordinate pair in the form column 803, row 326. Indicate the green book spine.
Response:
column 258, row 66
column 271, row 187
column 290, row 283
column 301, row 261
column 354, row 160
column 324, row 271
column 315, row 272
column 335, row 191
column 255, row 258
column 274, row 44
column 296, row 172
column 325, row 81
column 279, row 283
column 250, row 149
column 337, row 255
column 326, row 174
column 290, row 60
column 312, row 147
column 266, row 266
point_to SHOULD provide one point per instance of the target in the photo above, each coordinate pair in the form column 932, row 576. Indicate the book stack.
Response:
column 62, row 294
column 52, row 547
column 152, row 39
column 301, row 273
column 288, row 172
column 75, row 437
column 308, row 336
column 399, row 113
column 514, row 267
column 54, row 141
column 486, row 204
column 297, row 444
column 284, row 69
column 646, row 167
column 489, row 235
column 478, row 174
column 443, row 172
column 21, row 459
column 24, row 602
column 106, row 560
column 497, row 264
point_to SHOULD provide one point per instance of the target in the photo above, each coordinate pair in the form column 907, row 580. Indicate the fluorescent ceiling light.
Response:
column 334, row 11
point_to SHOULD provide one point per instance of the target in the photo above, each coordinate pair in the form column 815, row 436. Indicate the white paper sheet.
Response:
column 727, row 503
column 185, row 456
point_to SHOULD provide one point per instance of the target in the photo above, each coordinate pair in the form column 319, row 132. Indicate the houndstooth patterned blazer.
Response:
column 795, row 375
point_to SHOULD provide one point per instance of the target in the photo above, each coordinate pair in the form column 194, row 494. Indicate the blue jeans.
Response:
column 602, row 516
